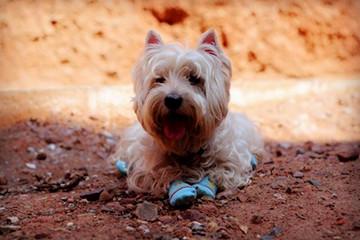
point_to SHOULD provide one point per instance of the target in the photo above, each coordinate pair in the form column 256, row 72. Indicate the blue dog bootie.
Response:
column 121, row 166
column 181, row 194
column 206, row 187
column 253, row 162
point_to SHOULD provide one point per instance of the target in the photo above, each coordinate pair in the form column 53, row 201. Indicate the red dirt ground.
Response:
column 47, row 170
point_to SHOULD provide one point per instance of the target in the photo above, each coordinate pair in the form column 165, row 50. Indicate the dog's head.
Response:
column 182, row 95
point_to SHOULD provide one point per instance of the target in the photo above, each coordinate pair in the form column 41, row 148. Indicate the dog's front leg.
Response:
column 233, row 172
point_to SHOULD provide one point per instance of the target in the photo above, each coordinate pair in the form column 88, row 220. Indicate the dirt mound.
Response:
column 47, row 43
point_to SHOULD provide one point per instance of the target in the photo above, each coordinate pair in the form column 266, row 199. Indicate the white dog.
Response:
column 184, row 129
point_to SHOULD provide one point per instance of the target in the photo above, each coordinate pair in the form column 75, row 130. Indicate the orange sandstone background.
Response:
column 91, row 43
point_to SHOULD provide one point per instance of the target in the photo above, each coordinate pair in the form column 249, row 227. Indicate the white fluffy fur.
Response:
column 228, row 139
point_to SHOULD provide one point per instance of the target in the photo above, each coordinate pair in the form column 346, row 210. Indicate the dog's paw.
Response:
column 206, row 188
column 121, row 166
column 253, row 162
column 181, row 194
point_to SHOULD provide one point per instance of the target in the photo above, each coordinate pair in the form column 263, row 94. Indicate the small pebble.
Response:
column 279, row 183
column 71, row 206
column 51, row 146
column 314, row 182
column 244, row 228
column 142, row 221
column 129, row 229
column 197, row 228
column 70, row 226
column 223, row 234
column 223, row 202
column 92, row 211
column 106, row 196
column 300, row 151
column 92, row 196
column 113, row 207
column 334, row 196
column 166, row 219
column 13, row 220
column 147, row 211
column 145, row 229
column 298, row 174
column 84, row 201
column 41, row 156
column 346, row 152
column 31, row 150
column 31, row 165
column 275, row 232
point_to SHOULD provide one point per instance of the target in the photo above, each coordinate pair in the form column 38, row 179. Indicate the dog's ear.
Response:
column 209, row 38
column 153, row 38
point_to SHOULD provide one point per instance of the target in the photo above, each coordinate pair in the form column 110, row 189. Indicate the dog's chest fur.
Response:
column 190, row 159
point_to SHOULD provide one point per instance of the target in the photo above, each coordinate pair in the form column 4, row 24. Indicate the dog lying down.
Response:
column 186, row 143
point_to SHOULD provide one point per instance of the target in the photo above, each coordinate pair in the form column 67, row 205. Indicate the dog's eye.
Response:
column 160, row 80
column 194, row 80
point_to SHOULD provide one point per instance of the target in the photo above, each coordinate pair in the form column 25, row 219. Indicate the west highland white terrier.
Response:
column 185, row 132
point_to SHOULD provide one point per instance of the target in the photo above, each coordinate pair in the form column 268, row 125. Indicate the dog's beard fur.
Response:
column 165, row 147
column 204, row 105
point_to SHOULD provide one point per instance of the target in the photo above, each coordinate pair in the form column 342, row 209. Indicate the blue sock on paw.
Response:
column 121, row 166
column 181, row 194
column 253, row 162
column 206, row 187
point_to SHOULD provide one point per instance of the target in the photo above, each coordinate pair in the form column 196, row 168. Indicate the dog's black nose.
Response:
column 173, row 101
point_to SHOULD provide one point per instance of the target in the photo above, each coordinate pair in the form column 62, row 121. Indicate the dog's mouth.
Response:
column 174, row 126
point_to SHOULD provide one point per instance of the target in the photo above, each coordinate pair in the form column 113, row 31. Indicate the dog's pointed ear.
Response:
column 153, row 39
column 209, row 38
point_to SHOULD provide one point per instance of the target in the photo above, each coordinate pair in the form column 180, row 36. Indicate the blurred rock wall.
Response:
column 60, row 43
